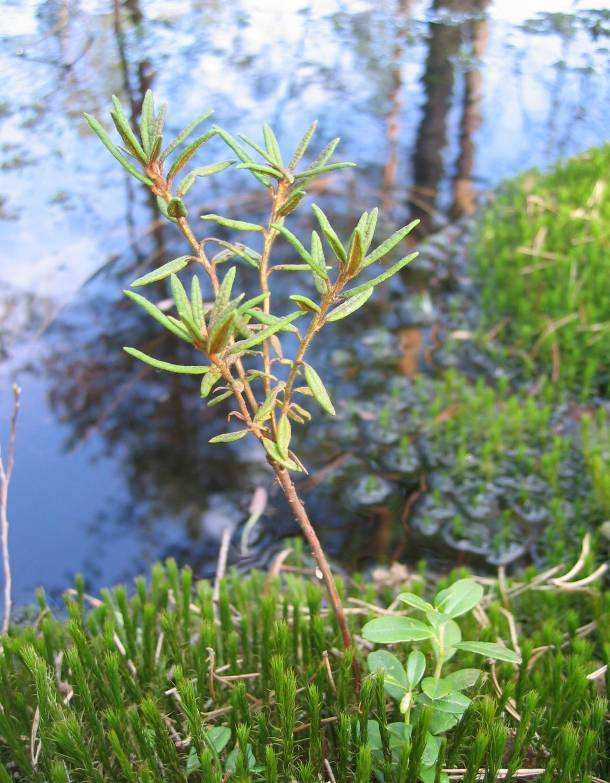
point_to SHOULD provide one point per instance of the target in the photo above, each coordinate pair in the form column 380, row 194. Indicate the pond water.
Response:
column 436, row 102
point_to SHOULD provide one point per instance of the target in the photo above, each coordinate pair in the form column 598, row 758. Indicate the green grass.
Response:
column 167, row 684
column 543, row 256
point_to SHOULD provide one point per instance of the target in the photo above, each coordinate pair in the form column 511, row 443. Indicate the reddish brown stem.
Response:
column 300, row 514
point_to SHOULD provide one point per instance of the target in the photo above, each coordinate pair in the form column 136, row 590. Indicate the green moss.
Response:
column 163, row 683
column 543, row 255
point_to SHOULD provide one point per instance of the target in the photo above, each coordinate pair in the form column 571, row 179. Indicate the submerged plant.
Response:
column 239, row 337
column 431, row 705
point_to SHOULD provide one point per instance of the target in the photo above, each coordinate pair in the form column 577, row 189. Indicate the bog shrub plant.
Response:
column 238, row 338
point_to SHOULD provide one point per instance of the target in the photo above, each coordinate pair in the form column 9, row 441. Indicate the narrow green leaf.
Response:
column 106, row 141
column 202, row 171
column 265, row 410
column 228, row 437
column 240, row 152
column 181, row 299
column 294, row 241
column 271, row 320
column 123, row 126
column 490, row 650
column 305, row 303
column 390, row 243
column 329, row 233
column 390, row 630
column 273, row 451
column 208, row 382
column 354, row 254
column 291, row 203
column 259, row 337
column 318, row 389
column 322, row 170
column 155, row 150
column 159, row 316
column 326, row 154
column 347, row 308
column 183, row 136
column 147, row 121
column 130, row 148
column 226, row 287
column 273, row 148
column 237, row 225
column 303, row 144
column 162, row 272
column 261, row 151
column 160, row 121
column 221, row 331
column 197, row 303
column 260, row 169
column 317, row 253
column 181, row 369
column 220, row 398
column 382, row 277
column 251, row 257
column 369, row 231
column 250, row 303
column 291, row 268
column 187, row 154
column 284, row 432
column 361, row 225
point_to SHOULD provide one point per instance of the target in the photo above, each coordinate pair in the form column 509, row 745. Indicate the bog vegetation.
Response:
column 268, row 677
column 179, row 682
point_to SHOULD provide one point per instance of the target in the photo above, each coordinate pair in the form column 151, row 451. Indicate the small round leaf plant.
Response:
column 239, row 340
column 435, row 699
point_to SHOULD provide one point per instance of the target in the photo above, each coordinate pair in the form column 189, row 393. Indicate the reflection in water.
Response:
column 446, row 40
column 464, row 195
column 157, row 485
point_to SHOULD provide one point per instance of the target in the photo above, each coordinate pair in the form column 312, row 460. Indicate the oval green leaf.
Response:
column 394, row 676
column 490, row 650
column 390, row 630
column 435, row 688
column 459, row 598
column 415, row 601
column 463, row 679
column 416, row 667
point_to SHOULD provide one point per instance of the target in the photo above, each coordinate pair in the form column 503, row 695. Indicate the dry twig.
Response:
column 6, row 471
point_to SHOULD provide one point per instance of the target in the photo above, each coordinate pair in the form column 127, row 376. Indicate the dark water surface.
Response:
column 436, row 102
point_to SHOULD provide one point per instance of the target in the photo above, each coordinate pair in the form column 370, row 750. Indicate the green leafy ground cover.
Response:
column 542, row 254
column 171, row 683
